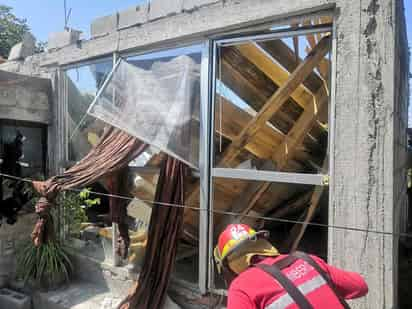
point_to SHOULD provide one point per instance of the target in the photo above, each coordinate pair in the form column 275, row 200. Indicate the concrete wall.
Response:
column 24, row 98
column 365, row 183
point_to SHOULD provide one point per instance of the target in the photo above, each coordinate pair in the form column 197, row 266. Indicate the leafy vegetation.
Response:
column 74, row 207
column 47, row 266
column 12, row 30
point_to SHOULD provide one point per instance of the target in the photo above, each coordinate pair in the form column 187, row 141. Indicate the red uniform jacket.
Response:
column 255, row 289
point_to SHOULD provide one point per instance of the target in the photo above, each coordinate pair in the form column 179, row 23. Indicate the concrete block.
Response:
column 164, row 8
column 133, row 16
column 63, row 38
column 189, row 5
column 14, row 300
column 104, row 25
column 23, row 49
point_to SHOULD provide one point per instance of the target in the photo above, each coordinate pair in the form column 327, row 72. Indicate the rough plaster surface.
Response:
column 162, row 8
column 24, row 98
column 364, row 132
column 104, row 25
column 133, row 16
column 189, row 5
column 63, row 38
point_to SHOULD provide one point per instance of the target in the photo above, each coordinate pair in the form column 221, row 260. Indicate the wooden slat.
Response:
column 295, row 136
column 292, row 207
column 296, row 47
column 235, row 119
column 286, row 57
column 288, row 148
column 255, row 54
column 310, row 37
column 242, row 200
column 304, row 69
column 254, row 87
column 298, row 230
column 276, row 101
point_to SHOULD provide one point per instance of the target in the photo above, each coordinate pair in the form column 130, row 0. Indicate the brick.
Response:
column 133, row 16
column 164, row 8
column 63, row 38
column 104, row 25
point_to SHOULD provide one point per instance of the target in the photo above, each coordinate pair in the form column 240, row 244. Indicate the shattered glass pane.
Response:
column 158, row 104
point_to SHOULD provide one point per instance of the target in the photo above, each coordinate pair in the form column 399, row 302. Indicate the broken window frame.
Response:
column 257, row 175
column 65, row 100
column 207, row 81
column 63, row 109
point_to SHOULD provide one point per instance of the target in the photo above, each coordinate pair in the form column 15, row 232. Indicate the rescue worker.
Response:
column 260, row 277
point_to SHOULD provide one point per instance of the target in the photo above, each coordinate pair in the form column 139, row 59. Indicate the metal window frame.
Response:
column 204, row 168
column 208, row 50
column 254, row 175
column 271, row 176
column 275, row 35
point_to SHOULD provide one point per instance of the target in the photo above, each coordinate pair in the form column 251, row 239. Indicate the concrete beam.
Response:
column 190, row 5
column 163, row 8
column 133, row 16
column 24, row 98
column 187, row 26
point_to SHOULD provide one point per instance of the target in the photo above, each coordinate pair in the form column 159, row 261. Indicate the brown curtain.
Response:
column 165, row 225
column 114, row 151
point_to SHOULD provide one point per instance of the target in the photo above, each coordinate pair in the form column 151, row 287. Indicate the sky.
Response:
column 45, row 16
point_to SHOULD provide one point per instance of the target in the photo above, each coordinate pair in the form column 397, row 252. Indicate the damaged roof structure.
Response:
column 291, row 115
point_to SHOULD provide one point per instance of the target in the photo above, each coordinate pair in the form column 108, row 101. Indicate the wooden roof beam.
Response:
column 259, row 57
column 296, row 135
column 276, row 101
column 287, row 150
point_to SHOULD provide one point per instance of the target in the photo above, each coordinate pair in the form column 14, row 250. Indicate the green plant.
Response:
column 74, row 207
column 85, row 197
column 48, row 265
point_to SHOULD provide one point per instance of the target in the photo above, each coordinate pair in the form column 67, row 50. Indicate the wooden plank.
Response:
column 243, row 200
column 235, row 119
column 255, row 54
column 254, row 87
column 298, row 230
column 296, row 48
column 286, row 57
column 288, row 148
column 294, row 206
column 296, row 135
column 310, row 37
column 304, row 69
column 276, row 101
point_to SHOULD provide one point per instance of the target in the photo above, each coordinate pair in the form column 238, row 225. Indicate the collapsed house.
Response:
column 292, row 117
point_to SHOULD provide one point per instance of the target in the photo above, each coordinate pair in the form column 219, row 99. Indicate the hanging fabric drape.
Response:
column 165, row 225
column 114, row 151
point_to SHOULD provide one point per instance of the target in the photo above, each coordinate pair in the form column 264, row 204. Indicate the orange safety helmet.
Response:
column 243, row 239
